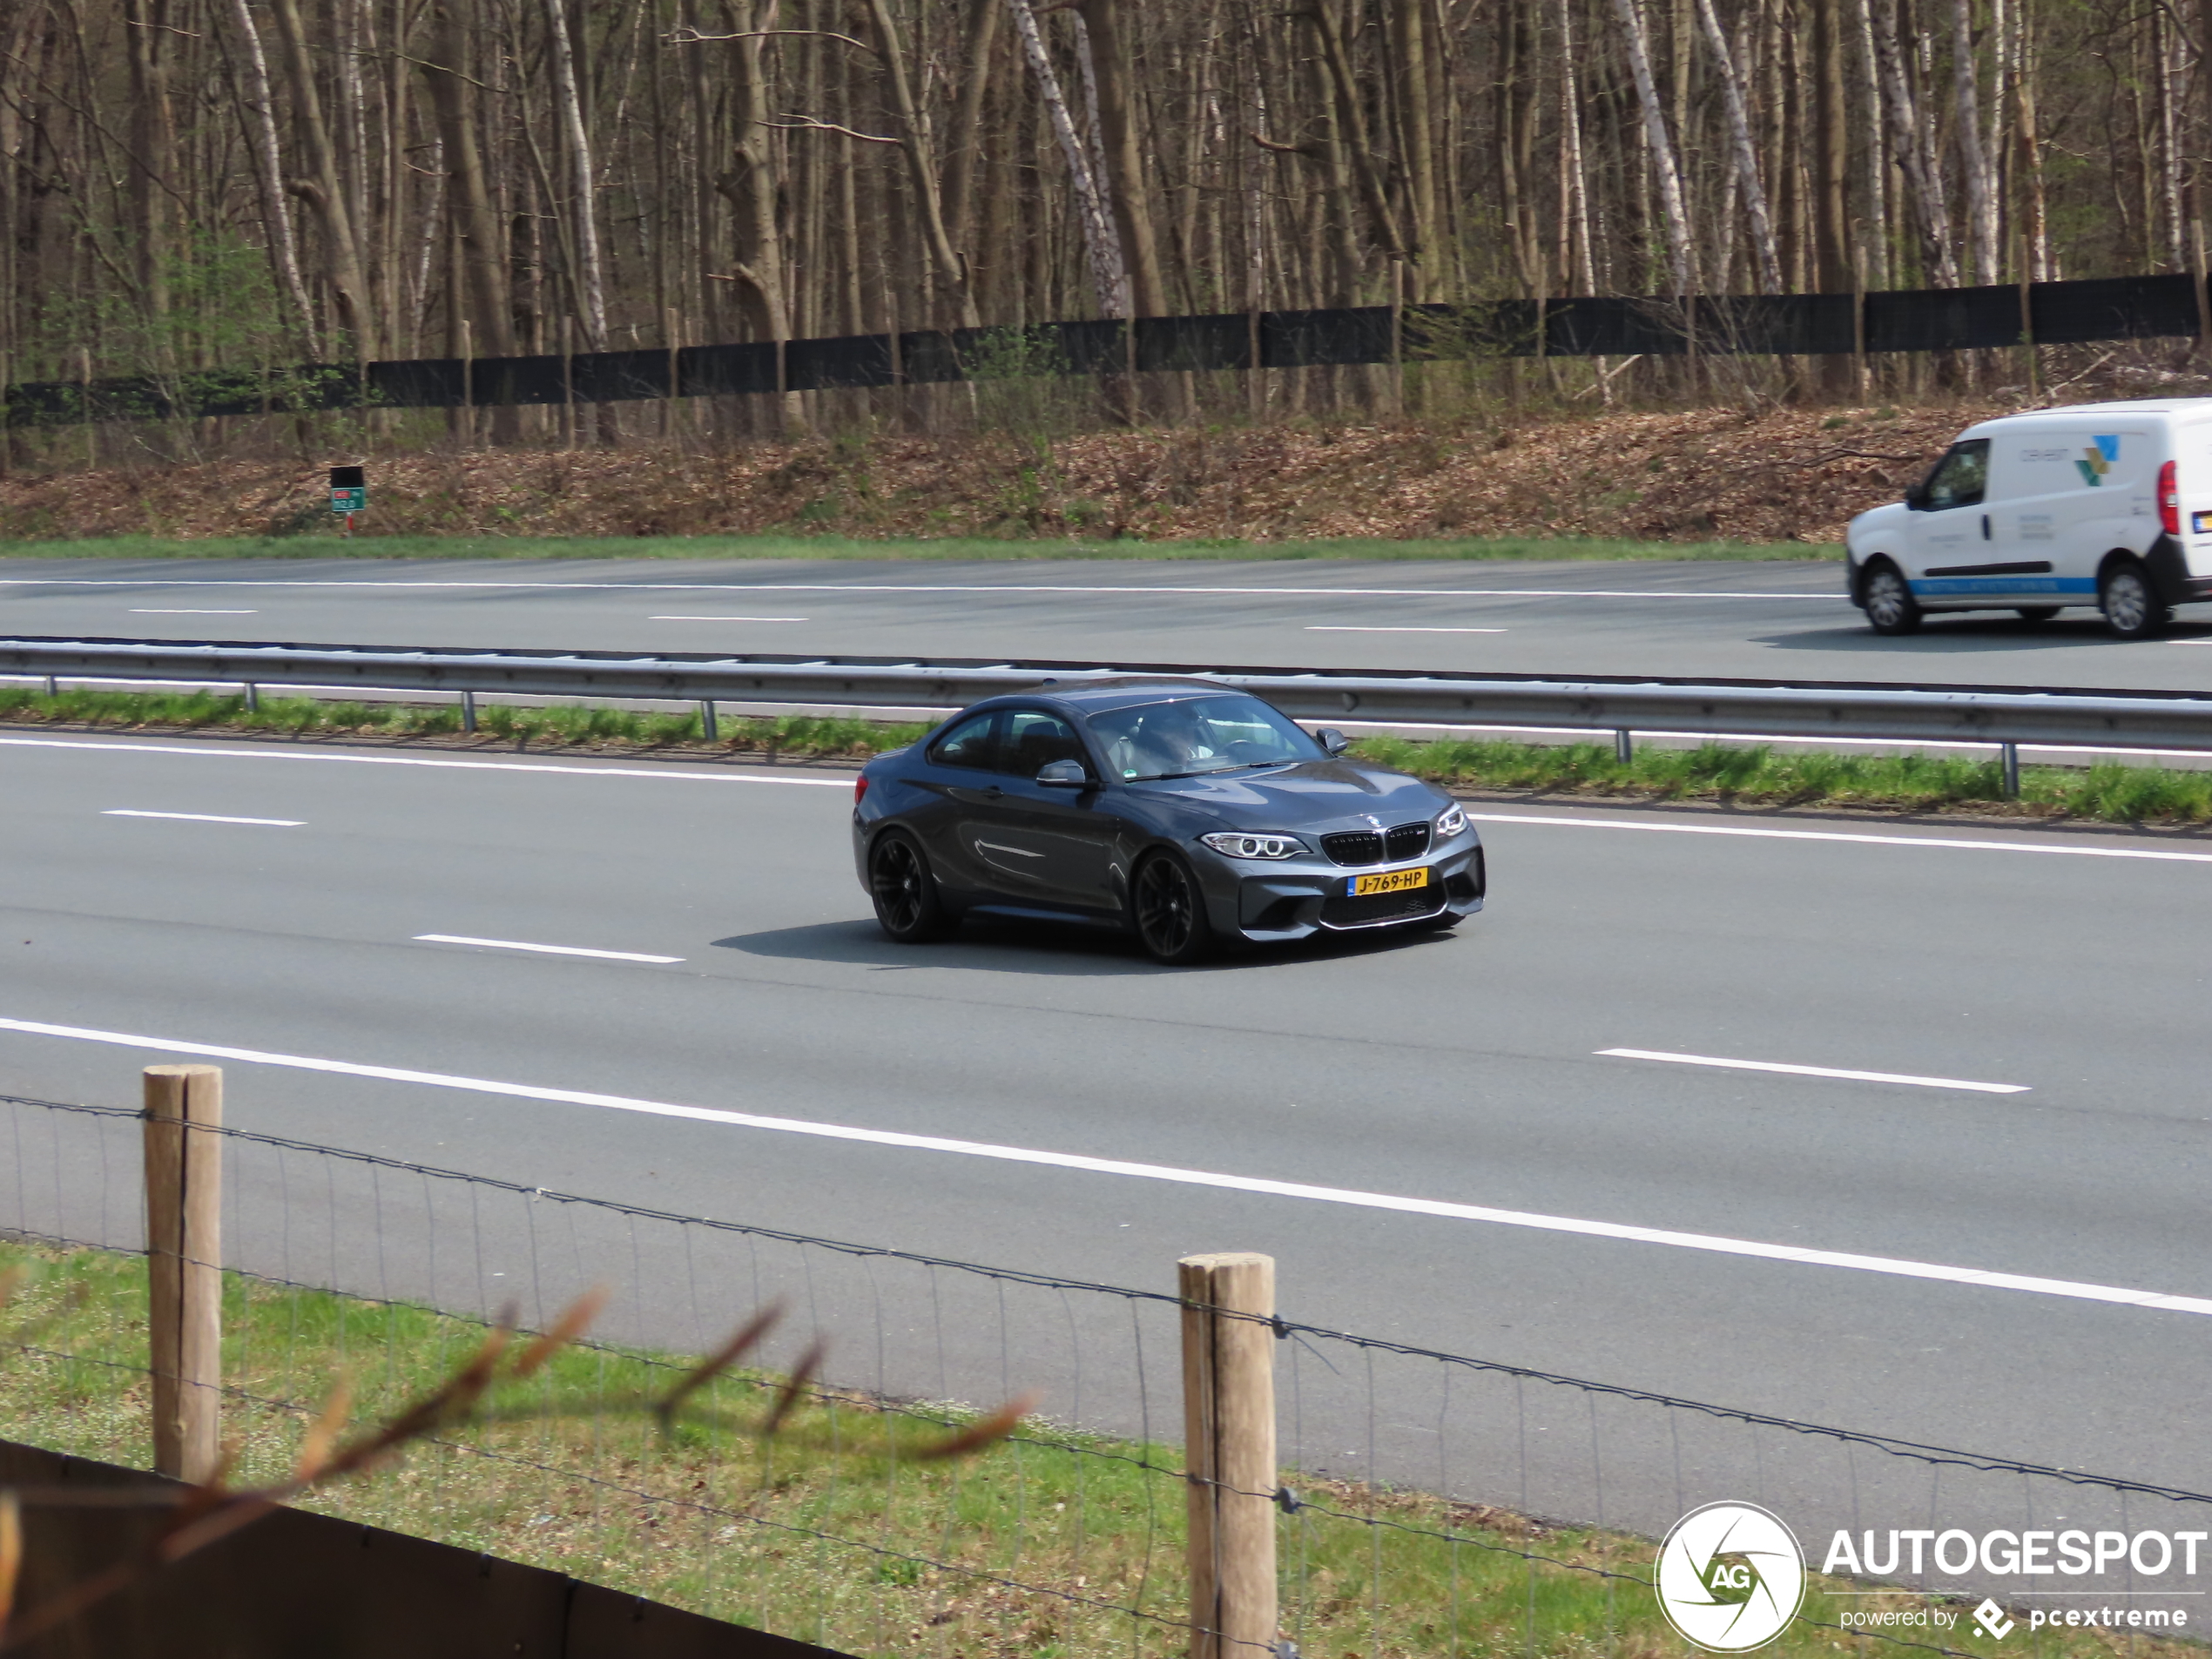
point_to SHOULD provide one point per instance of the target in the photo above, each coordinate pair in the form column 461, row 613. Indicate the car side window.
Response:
column 972, row 744
column 1035, row 739
column 1960, row 479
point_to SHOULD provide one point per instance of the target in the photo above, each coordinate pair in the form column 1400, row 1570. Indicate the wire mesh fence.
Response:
column 1426, row 1503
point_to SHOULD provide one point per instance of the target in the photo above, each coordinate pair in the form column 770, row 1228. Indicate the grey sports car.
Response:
column 1185, row 812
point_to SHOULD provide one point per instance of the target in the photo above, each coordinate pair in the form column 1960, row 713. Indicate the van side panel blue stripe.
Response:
column 1959, row 586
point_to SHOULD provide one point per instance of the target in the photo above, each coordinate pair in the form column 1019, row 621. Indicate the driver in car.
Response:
column 1172, row 739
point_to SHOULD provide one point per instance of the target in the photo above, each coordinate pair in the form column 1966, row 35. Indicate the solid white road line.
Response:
column 1891, row 1267
column 549, row 950
column 1948, row 843
column 143, row 610
column 1346, row 628
column 726, row 619
column 1816, row 1071
column 918, row 587
column 206, row 818
column 226, row 752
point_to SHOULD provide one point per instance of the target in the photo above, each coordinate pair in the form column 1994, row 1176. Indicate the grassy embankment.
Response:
column 832, row 1529
column 1749, row 776
column 990, row 549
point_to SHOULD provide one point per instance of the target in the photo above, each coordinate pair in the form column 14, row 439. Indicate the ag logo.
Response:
column 1730, row 1577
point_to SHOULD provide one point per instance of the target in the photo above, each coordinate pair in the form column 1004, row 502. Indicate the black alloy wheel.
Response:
column 2132, row 607
column 906, row 904
column 2037, row 613
column 1170, row 914
column 1891, row 608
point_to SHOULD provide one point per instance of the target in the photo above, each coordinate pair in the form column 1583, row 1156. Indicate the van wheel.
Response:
column 1891, row 608
column 2132, row 607
column 2037, row 613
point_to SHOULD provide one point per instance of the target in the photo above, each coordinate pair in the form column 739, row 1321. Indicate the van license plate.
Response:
column 1360, row 886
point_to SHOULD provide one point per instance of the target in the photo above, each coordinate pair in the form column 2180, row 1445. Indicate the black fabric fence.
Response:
column 1928, row 320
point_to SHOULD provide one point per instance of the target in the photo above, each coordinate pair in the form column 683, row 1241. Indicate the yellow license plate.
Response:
column 1387, row 881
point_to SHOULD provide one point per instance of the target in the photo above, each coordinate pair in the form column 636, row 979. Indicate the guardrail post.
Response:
column 253, row 698
column 707, row 727
column 184, row 1167
column 468, row 710
column 1624, row 746
column 1229, row 1440
column 2008, row 756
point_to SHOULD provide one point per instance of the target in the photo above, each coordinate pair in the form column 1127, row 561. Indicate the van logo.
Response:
column 2096, row 462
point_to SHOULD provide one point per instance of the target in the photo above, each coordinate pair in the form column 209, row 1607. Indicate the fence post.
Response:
column 184, row 1163
column 1229, row 1439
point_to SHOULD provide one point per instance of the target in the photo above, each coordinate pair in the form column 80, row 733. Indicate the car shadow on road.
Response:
column 1978, row 635
column 1004, row 947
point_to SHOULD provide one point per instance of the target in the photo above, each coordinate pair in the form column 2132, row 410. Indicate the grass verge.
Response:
column 994, row 549
column 834, row 1529
column 1713, row 774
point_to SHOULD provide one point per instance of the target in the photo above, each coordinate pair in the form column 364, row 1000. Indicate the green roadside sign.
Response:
column 348, row 490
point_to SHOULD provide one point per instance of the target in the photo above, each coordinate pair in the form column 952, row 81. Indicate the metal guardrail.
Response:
column 2005, row 715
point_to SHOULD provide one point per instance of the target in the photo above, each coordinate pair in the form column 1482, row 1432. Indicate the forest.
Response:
column 236, row 183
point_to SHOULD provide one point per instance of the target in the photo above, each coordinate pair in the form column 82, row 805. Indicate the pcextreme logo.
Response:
column 1730, row 1577
column 2096, row 461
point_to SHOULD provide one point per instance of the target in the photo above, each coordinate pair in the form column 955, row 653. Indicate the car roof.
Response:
column 1088, row 697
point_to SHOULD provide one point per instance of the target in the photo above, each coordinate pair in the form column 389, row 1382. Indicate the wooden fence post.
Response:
column 185, row 1256
column 1229, row 1439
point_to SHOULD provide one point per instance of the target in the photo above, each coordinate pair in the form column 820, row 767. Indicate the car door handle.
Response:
column 1985, row 527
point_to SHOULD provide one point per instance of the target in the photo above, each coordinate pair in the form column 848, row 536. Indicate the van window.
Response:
column 1960, row 479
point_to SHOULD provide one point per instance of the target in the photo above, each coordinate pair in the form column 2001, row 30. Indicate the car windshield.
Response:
column 1198, row 734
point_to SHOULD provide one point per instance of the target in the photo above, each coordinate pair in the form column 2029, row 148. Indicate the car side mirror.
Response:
column 1333, row 740
column 1916, row 498
column 1063, row 774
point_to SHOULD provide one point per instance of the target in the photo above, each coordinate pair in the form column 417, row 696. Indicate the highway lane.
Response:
column 1684, row 619
column 1468, row 1070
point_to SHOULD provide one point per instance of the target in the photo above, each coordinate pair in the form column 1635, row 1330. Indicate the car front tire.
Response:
column 907, row 906
column 2132, row 607
column 1891, row 608
column 1168, row 912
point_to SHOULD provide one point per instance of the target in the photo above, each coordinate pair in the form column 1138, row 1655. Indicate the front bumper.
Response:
column 1298, row 898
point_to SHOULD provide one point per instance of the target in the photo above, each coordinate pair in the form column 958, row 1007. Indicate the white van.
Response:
column 2032, row 513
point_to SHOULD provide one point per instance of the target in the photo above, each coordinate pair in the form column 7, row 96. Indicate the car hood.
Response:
column 1890, row 516
column 1313, row 793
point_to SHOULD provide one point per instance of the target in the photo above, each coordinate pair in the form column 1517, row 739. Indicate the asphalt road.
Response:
column 1468, row 1072
column 1786, row 620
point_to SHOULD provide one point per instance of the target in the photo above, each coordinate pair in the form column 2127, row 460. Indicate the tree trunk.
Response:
column 1746, row 153
column 324, row 191
column 1409, row 38
column 967, row 139
column 478, row 243
column 1101, row 243
column 951, row 271
column 1123, row 156
column 257, row 114
column 1974, row 163
column 1914, row 154
column 1681, row 265
column 589, row 289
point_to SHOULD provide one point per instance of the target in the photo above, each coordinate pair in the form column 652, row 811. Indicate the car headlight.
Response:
column 1452, row 823
column 1236, row 844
